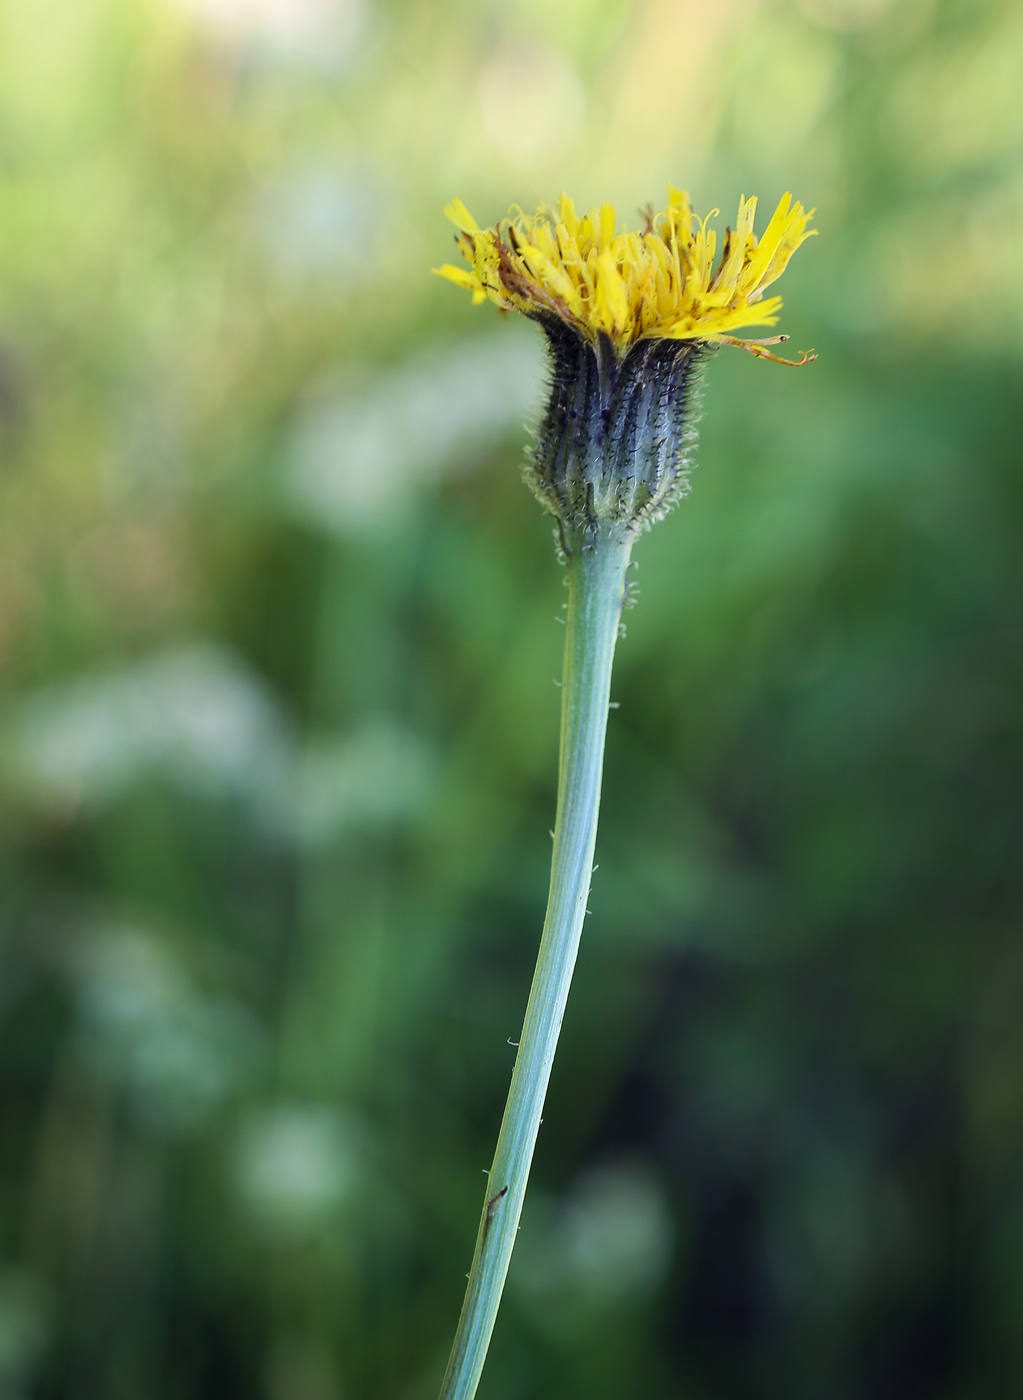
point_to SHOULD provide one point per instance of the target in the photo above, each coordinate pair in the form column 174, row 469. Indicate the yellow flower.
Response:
column 657, row 283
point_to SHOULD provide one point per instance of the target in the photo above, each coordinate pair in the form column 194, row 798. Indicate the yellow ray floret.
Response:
column 660, row 281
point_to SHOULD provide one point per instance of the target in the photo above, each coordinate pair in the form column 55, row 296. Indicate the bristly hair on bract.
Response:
column 613, row 446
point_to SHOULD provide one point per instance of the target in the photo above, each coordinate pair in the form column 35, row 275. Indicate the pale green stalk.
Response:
column 596, row 593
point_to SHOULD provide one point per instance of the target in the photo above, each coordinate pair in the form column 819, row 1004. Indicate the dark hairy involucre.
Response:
column 613, row 448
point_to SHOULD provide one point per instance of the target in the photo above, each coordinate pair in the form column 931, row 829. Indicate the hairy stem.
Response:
column 596, row 582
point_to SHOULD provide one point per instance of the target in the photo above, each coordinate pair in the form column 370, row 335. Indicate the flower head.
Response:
column 660, row 282
column 629, row 317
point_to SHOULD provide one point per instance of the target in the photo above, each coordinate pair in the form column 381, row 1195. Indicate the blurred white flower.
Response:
column 197, row 716
column 319, row 31
column 608, row 1241
column 318, row 221
column 198, row 719
column 294, row 1164
column 176, row 1052
column 369, row 780
column 356, row 456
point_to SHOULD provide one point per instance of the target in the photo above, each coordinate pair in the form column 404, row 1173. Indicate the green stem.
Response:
column 596, row 584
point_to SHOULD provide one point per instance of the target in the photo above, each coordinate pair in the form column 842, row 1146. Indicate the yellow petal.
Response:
column 607, row 224
column 460, row 216
column 611, row 301
column 657, row 283
column 461, row 276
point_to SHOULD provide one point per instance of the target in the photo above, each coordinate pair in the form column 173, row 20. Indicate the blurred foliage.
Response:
column 278, row 736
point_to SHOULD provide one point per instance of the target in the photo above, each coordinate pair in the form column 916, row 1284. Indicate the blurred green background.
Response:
column 278, row 734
